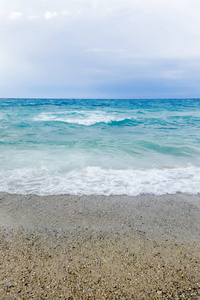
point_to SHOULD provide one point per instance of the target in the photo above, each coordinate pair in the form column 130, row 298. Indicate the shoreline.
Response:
column 100, row 247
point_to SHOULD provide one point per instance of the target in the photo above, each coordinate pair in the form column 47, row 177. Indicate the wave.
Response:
column 81, row 118
column 99, row 181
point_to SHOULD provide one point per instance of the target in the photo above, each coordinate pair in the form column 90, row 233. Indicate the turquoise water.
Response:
column 57, row 146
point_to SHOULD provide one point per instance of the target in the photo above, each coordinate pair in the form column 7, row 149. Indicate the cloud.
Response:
column 96, row 45
column 173, row 74
column 104, row 50
column 49, row 14
column 66, row 12
column 33, row 17
column 15, row 15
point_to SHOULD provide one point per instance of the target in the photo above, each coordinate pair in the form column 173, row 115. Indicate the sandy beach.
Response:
column 98, row 247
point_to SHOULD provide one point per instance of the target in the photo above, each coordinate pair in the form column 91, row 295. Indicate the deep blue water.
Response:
column 79, row 146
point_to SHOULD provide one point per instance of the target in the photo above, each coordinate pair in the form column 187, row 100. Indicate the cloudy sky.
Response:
column 100, row 48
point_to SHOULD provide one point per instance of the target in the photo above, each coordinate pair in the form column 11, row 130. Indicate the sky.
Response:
column 100, row 48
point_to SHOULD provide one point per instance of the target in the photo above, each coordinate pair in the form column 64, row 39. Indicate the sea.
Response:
column 100, row 146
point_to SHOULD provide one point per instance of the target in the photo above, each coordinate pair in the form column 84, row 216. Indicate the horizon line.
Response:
column 87, row 98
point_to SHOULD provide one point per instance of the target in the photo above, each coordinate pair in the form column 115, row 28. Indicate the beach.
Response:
column 99, row 247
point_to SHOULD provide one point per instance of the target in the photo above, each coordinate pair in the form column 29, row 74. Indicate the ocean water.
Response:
column 109, row 147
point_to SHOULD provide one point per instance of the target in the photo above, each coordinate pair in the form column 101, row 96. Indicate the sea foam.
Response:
column 99, row 181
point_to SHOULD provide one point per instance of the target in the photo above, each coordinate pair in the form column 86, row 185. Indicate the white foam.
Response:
column 86, row 118
column 98, row 181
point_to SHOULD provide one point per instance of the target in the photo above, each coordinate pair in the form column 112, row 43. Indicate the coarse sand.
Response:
column 98, row 247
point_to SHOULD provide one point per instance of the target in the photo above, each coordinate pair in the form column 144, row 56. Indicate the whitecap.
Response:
column 86, row 118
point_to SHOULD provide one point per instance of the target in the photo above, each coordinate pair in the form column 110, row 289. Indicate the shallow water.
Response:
column 58, row 146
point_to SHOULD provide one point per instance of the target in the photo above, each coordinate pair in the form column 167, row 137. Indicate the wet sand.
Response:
column 96, row 247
